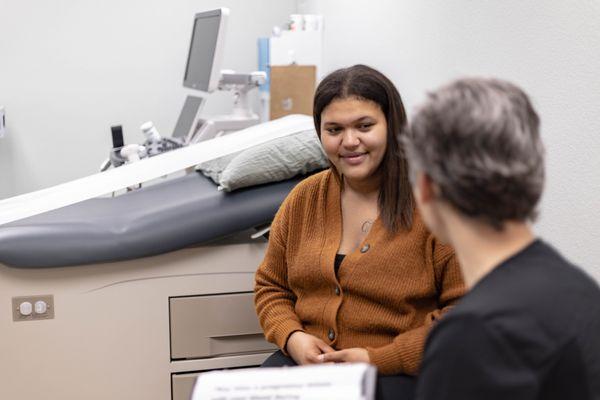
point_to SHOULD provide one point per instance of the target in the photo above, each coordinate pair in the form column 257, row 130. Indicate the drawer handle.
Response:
column 235, row 336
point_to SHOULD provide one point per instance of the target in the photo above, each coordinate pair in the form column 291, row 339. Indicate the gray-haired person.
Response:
column 529, row 328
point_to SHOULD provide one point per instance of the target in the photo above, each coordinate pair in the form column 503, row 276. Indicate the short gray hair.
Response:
column 478, row 140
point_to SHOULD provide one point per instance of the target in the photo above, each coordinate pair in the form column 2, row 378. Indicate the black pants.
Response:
column 396, row 387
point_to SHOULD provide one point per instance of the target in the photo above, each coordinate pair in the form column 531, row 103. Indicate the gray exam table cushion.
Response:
column 149, row 221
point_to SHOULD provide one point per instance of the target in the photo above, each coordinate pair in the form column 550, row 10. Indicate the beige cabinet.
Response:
column 182, row 386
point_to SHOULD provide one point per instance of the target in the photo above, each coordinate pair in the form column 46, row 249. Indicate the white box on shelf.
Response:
column 298, row 47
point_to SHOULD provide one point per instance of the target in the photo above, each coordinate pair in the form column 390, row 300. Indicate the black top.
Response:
column 530, row 329
column 338, row 261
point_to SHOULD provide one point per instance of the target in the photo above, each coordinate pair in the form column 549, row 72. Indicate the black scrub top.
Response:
column 530, row 329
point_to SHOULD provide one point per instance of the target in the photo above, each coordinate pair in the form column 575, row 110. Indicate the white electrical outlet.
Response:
column 2, row 122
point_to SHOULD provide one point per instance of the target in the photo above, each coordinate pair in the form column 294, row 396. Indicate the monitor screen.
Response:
column 187, row 117
column 203, row 67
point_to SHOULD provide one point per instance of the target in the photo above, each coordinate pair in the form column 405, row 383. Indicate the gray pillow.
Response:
column 273, row 161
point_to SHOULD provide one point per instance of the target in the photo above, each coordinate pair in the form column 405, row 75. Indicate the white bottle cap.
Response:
column 149, row 130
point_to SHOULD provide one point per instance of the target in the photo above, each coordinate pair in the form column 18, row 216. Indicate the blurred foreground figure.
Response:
column 529, row 327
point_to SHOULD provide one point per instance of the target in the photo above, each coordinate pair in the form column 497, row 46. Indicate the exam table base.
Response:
column 110, row 337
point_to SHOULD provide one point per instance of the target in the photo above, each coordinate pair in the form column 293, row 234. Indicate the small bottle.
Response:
column 149, row 130
column 296, row 22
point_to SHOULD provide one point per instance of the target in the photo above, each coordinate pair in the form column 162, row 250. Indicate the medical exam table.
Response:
column 143, row 291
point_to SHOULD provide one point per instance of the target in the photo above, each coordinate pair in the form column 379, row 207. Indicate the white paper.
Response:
column 30, row 204
column 315, row 382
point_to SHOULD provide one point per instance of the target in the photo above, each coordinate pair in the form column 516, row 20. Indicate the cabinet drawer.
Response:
column 182, row 386
column 215, row 325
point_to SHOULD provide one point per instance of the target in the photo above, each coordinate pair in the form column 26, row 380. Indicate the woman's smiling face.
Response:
column 354, row 137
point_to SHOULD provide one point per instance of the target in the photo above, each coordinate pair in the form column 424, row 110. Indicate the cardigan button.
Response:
column 365, row 248
column 331, row 334
column 337, row 291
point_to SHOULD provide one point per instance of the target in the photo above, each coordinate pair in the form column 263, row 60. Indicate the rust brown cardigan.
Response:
column 391, row 289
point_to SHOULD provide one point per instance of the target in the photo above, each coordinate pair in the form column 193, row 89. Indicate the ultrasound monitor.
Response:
column 203, row 68
column 203, row 73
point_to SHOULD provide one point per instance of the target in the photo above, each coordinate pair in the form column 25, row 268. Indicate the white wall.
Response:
column 551, row 48
column 69, row 69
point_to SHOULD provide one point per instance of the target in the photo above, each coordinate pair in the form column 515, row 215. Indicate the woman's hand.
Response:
column 355, row 354
column 305, row 348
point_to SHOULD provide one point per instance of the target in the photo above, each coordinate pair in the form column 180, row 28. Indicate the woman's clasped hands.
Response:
column 305, row 349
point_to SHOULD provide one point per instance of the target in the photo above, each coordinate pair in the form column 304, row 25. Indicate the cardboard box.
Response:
column 292, row 90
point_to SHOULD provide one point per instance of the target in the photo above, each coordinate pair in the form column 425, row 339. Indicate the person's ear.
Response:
column 425, row 189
